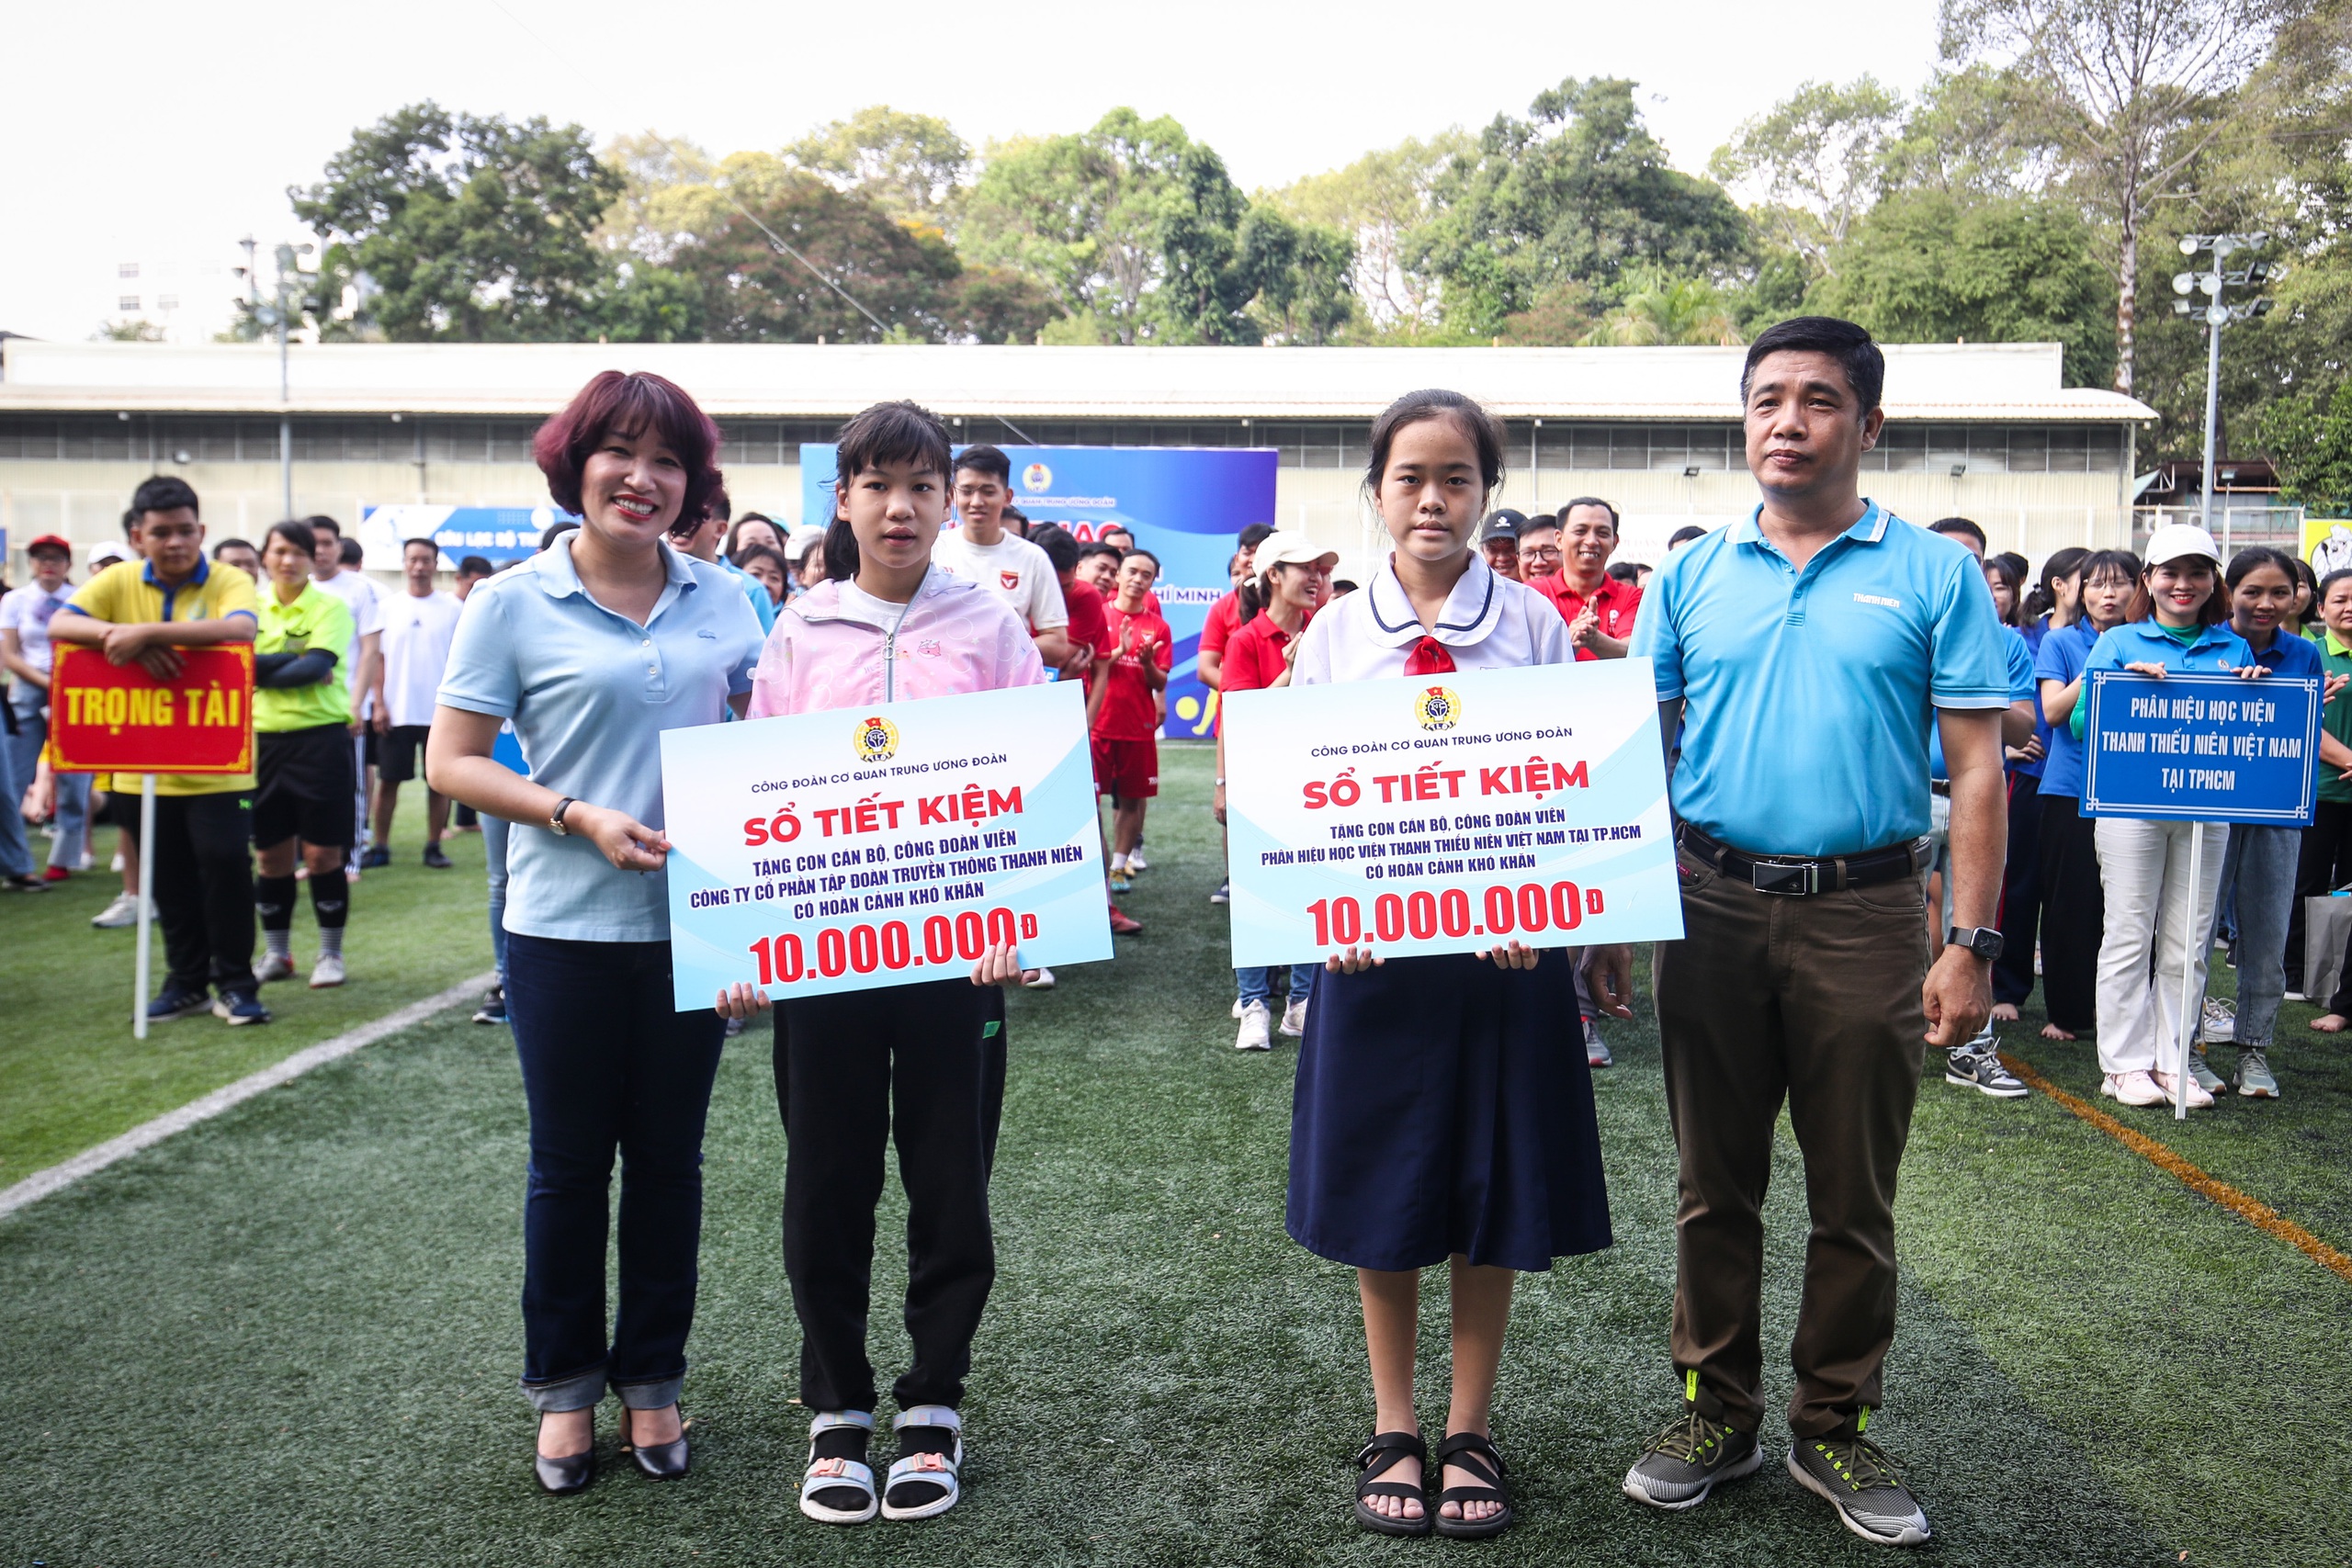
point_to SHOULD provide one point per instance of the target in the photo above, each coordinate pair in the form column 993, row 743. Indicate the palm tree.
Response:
column 1662, row 310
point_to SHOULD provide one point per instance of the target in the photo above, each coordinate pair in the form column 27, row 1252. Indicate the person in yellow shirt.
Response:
column 199, row 866
column 302, row 725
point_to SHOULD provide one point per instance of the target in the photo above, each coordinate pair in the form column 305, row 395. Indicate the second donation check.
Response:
column 1450, row 813
column 880, row 846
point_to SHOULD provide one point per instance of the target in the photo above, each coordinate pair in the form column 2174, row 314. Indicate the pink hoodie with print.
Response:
column 839, row 647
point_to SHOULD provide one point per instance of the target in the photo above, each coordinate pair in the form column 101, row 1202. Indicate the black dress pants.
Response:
column 2020, row 921
column 201, row 869
column 2074, row 914
column 921, row 1067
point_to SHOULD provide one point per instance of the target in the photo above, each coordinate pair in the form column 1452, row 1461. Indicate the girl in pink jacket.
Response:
column 924, row 1063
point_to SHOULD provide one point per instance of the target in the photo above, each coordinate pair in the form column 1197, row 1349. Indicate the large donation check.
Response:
column 1449, row 814
column 866, row 847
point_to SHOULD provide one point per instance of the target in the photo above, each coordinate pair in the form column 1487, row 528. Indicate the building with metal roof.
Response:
column 1989, row 431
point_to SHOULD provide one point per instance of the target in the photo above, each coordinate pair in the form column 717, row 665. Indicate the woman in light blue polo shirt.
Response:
column 2159, row 899
column 591, row 648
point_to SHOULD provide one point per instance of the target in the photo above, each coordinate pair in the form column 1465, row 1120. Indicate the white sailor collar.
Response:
column 1471, row 610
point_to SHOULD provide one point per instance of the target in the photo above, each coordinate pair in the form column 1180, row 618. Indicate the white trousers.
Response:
column 2152, row 930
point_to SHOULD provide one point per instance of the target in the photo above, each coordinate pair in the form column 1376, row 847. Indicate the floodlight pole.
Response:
column 2213, row 319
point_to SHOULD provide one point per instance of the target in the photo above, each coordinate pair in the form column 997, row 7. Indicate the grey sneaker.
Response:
column 1981, row 1070
column 2255, row 1081
column 1689, row 1459
column 2202, row 1071
column 1596, row 1049
column 2220, row 1023
column 1857, row 1479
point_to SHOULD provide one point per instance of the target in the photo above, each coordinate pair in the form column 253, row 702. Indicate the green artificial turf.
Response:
column 71, row 1076
column 290, row 1335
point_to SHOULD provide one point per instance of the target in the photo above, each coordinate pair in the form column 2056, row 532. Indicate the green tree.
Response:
column 1659, row 310
column 1813, row 163
column 2131, row 93
column 914, row 165
column 1376, row 201
column 465, row 227
column 1301, row 272
column 1928, row 266
column 2310, row 439
column 1579, row 189
column 1130, row 220
column 753, row 293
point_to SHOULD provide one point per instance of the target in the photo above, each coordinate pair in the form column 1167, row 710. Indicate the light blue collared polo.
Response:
column 590, row 692
column 1808, row 695
column 2214, row 651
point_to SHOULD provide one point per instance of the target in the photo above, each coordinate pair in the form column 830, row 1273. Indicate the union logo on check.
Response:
column 1437, row 708
column 877, row 740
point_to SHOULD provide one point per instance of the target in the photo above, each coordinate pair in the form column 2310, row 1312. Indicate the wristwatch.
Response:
column 555, row 819
column 1981, row 940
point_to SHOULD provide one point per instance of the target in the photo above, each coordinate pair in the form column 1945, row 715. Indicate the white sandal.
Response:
column 838, row 1474
column 936, row 1469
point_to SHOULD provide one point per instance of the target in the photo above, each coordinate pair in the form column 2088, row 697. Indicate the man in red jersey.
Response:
column 1126, row 726
column 1599, row 609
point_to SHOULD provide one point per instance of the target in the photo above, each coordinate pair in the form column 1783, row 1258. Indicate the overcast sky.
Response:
column 160, row 133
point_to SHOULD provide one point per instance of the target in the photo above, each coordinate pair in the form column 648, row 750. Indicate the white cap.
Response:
column 799, row 542
column 1286, row 547
column 2176, row 541
column 106, row 552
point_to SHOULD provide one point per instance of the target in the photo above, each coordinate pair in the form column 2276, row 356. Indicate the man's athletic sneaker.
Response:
column 273, row 967
column 240, row 1006
column 1691, row 1458
column 328, row 972
column 375, row 860
column 1294, row 1016
column 2202, row 1071
column 1119, row 881
column 1977, row 1065
column 2255, row 1081
column 435, row 858
column 493, row 1006
column 2220, row 1020
column 1596, row 1049
column 1857, row 1479
column 177, row 1001
column 1255, row 1033
column 1223, row 894
column 1135, row 858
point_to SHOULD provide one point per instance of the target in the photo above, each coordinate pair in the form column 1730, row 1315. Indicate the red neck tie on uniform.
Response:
column 1429, row 658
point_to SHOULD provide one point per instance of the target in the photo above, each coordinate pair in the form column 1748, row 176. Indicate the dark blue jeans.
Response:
column 608, row 1066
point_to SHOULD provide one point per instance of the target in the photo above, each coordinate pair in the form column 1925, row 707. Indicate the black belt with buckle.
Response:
column 1939, row 786
column 1796, row 877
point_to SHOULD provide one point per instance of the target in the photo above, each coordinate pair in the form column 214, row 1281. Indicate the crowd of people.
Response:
column 1442, row 1114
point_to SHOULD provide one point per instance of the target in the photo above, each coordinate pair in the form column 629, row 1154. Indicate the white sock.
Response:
column 1118, row 865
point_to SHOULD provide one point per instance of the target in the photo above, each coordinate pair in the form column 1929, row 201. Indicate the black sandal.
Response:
column 1470, row 1451
column 1380, row 1454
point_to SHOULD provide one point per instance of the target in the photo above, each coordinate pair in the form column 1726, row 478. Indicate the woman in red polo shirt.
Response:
column 1290, row 580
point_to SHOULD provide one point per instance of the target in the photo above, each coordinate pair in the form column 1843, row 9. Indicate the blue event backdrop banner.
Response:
column 2202, row 747
column 497, row 533
column 1182, row 503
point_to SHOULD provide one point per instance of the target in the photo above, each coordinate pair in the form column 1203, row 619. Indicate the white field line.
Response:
column 59, row 1177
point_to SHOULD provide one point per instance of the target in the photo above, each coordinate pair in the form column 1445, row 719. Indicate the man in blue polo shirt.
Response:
column 1804, row 655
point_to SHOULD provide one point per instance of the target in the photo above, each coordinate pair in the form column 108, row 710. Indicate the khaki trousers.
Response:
column 1814, row 1000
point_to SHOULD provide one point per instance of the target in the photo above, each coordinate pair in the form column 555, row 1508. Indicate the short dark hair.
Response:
column 1848, row 344
column 717, row 503
column 767, row 552
column 734, row 540
column 1684, row 535
column 1485, row 433
column 129, row 520
column 2252, row 558
column 295, row 532
column 420, row 539
column 2341, row 574
column 160, row 492
column 322, row 523
column 1615, row 526
column 1257, row 533
column 476, row 565
column 1957, row 526
column 351, row 554
column 1108, row 530
column 899, row 431
column 1147, row 555
column 557, row 530
column 1061, row 546
column 2114, row 563
column 983, row 459
column 1097, row 547
column 2013, row 580
column 1625, row 571
column 627, row 404
column 223, row 544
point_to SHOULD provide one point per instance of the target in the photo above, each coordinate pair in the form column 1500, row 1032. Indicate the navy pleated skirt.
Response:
column 1443, row 1106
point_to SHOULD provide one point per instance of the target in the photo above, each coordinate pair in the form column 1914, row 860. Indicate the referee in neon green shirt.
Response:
column 302, row 746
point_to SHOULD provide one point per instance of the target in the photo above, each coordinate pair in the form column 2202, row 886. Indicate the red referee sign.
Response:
column 119, row 719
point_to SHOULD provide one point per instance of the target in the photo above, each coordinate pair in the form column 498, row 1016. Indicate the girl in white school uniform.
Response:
column 1443, row 1111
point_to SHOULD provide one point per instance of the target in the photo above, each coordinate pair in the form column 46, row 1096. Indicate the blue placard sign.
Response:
column 2202, row 747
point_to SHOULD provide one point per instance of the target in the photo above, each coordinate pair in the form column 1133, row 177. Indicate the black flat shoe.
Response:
column 567, row 1473
column 662, row 1461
